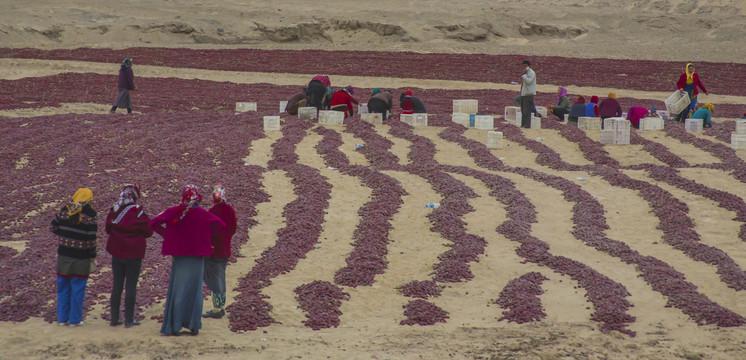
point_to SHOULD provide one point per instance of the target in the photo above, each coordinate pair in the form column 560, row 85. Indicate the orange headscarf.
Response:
column 80, row 199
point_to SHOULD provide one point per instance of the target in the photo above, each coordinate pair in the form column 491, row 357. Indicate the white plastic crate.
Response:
column 469, row 106
column 271, row 123
column 693, row 124
column 589, row 123
column 331, row 117
column 677, row 102
column 484, row 122
column 283, row 106
column 460, row 118
column 738, row 141
column 407, row 118
column 620, row 131
column 607, row 136
column 567, row 116
column 513, row 114
column 663, row 114
column 307, row 113
column 542, row 110
column 373, row 118
column 418, row 120
column 362, row 108
column 245, row 106
column 494, row 139
column 535, row 122
column 741, row 126
column 651, row 123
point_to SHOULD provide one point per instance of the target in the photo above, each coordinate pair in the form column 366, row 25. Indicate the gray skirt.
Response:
column 184, row 296
column 123, row 99
column 72, row 266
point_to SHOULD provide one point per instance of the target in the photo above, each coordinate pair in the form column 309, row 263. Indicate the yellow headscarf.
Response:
column 709, row 106
column 689, row 76
column 612, row 95
column 81, row 198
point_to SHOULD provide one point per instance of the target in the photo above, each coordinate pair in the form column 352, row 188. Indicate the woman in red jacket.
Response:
column 689, row 81
column 342, row 100
column 217, row 262
column 127, row 226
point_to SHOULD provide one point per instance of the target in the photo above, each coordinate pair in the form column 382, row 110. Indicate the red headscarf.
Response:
column 190, row 198
column 594, row 99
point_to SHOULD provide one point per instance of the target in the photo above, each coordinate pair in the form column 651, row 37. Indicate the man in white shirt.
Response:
column 528, row 90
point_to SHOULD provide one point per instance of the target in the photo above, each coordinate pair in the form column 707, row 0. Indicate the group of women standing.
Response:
column 688, row 83
column 198, row 240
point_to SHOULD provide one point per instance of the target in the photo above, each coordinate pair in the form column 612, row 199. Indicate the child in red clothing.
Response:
column 217, row 262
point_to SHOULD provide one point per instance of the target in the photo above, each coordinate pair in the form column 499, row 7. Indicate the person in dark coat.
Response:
column 577, row 110
column 316, row 91
column 125, row 84
column 296, row 101
column 411, row 104
column 380, row 102
column 609, row 107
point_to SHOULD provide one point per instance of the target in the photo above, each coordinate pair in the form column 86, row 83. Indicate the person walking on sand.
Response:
column 75, row 225
column 126, row 83
column 187, row 230
column 528, row 91
column 217, row 262
column 689, row 81
column 127, row 226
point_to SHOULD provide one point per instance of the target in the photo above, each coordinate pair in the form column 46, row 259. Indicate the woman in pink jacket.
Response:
column 187, row 230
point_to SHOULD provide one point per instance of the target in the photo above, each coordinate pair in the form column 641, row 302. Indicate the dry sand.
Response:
column 663, row 30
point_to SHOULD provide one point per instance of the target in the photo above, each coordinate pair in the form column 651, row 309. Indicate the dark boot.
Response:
column 129, row 110
column 113, row 110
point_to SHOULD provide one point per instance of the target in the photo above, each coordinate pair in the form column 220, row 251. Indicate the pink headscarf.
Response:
column 190, row 198
column 563, row 92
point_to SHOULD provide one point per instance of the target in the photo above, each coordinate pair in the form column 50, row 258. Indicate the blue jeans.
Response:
column 70, row 294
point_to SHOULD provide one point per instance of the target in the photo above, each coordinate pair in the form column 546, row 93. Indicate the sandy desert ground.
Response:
column 673, row 30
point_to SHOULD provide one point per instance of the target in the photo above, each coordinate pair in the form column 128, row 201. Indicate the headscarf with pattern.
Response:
column 218, row 195
column 129, row 195
column 190, row 198
column 126, row 63
column 81, row 198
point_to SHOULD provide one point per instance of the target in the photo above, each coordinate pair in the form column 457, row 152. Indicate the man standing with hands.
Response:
column 528, row 90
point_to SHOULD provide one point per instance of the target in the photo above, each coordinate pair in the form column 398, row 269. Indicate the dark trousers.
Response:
column 527, row 103
column 315, row 93
column 126, row 273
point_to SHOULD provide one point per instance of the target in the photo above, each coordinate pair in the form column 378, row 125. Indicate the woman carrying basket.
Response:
column 689, row 81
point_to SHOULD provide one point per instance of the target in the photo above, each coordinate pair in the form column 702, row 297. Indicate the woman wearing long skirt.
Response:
column 75, row 225
column 187, row 230
column 125, row 83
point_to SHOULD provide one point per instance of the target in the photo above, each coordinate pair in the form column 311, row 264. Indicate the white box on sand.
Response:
column 738, row 141
column 484, row 122
column 331, row 117
column 362, row 108
column 414, row 119
column 616, row 131
column 741, row 126
column 513, row 114
column 373, row 118
column 542, row 110
column 307, row 113
column 494, row 139
column 245, row 106
column 693, row 124
column 535, row 122
column 469, row 106
column 651, row 123
column 460, row 118
column 589, row 123
column 283, row 106
column 271, row 123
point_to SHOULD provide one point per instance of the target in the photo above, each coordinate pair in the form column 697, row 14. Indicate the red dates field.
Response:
column 553, row 246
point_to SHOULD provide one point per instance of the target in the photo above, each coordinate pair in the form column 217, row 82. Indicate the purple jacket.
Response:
column 192, row 236
column 126, row 79
column 609, row 108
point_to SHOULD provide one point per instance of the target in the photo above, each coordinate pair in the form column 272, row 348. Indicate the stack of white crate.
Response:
column 738, row 138
column 271, row 123
column 651, row 123
column 535, row 122
column 494, row 139
column 513, row 115
column 461, row 118
column 693, row 124
column 373, row 118
column 467, row 106
column 484, row 122
column 245, row 106
column 331, row 117
column 307, row 113
column 414, row 119
column 589, row 123
column 616, row 131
